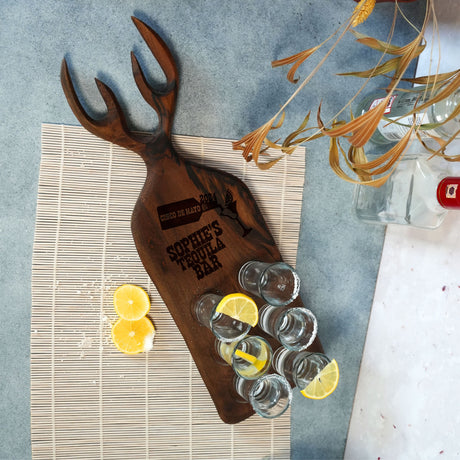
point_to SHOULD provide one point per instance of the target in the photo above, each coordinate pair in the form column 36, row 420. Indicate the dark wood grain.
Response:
column 193, row 226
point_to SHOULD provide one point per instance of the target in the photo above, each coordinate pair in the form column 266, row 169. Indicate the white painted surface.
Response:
column 407, row 404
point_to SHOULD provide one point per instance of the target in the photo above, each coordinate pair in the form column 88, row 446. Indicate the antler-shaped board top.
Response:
column 113, row 126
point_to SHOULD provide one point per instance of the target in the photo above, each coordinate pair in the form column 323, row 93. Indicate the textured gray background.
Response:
column 224, row 50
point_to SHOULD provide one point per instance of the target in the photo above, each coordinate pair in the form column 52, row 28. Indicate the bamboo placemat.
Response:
column 88, row 400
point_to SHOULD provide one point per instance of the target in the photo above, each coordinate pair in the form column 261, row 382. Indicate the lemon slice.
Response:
column 324, row 383
column 259, row 364
column 239, row 307
column 131, row 302
column 132, row 337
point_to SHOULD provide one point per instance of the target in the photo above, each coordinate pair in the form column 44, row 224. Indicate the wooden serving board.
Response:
column 193, row 226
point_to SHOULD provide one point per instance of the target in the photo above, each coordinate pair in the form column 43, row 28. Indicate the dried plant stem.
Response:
column 359, row 130
column 358, row 93
column 318, row 66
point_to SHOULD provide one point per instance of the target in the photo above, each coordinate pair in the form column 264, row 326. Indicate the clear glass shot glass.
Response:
column 295, row 328
column 299, row 367
column 250, row 357
column 224, row 327
column 276, row 283
column 269, row 395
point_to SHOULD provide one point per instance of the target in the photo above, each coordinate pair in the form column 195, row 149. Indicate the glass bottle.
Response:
column 419, row 193
column 401, row 103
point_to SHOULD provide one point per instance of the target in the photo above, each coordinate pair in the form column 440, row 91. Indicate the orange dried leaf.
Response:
column 443, row 144
column 413, row 50
column 251, row 144
column 395, row 154
column 364, row 175
column 442, row 94
column 357, row 156
column 382, row 46
column 360, row 128
column 384, row 162
column 280, row 121
column 285, row 149
column 334, row 162
column 272, row 145
column 430, row 79
column 301, row 129
column 269, row 164
column 376, row 44
column 369, row 165
column 296, row 60
column 388, row 66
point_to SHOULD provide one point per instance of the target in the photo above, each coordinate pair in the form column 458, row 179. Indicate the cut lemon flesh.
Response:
column 239, row 307
column 132, row 337
column 324, row 383
column 258, row 363
column 131, row 302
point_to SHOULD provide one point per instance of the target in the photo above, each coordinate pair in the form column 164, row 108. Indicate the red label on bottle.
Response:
column 449, row 193
column 376, row 102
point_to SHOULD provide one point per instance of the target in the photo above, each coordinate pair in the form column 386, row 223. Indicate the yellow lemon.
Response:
column 239, row 307
column 132, row 337
column 258, row 363
column 131, row 302
column 324, row 383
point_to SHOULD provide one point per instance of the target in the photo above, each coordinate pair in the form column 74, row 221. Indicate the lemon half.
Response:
column 240, row 307
column 132, row 337
column 324, row 383
column 131, row 302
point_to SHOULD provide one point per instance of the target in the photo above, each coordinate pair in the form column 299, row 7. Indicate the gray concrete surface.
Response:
column 228, row 88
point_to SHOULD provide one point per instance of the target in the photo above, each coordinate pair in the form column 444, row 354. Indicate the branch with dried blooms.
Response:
column 253, row 144
column 359, row 130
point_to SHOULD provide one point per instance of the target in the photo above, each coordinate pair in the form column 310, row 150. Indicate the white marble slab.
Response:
column 407, row 404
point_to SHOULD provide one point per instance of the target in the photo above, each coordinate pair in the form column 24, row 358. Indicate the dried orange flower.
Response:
column 362, row 11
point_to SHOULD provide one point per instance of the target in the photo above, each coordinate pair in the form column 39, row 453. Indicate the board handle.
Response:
column 113, row 127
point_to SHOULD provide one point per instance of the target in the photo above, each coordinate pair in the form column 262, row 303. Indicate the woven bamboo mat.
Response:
column 87, row 399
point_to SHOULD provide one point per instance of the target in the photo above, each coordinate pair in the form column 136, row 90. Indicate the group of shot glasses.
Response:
column 250, row 356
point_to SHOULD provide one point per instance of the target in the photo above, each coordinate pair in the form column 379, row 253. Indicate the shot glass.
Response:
column 269, row 395
column 250, row 357
column 224, row 327
column 295, row 328
column 299, row 368
column 276, row 283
